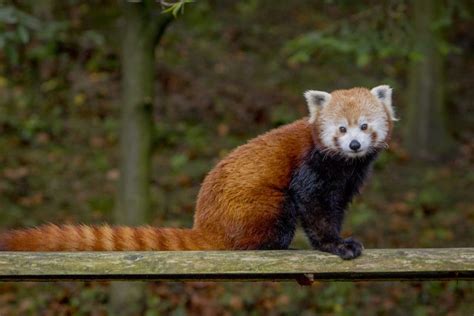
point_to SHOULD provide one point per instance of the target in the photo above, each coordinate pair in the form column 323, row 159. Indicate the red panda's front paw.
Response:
column 349, row 248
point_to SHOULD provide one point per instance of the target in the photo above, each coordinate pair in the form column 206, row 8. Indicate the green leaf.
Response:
column 176, row 7
column 362, row 59
column 12, row 54
column 7, row 15
column 178, row 161
column 23, row 34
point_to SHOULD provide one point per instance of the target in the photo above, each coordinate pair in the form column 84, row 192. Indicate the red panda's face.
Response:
column 352, row 122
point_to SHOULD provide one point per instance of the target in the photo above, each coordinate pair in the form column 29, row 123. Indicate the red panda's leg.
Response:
column 322, row 191
column 275, row 230
column 323, row 231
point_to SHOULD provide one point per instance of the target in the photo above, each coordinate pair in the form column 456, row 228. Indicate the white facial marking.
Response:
column 359, row 118
column 330, row 130
column 355, row 134
column 380, row 126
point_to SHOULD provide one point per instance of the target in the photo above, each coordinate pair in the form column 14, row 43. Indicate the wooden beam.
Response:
column 301, row 265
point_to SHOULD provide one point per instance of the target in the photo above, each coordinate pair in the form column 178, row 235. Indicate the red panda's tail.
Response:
column 105, row 238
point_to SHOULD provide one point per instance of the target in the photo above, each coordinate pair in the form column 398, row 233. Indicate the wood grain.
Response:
column 300, row 265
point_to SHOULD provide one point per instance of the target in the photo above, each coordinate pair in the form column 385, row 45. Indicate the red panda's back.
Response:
column 247, row 187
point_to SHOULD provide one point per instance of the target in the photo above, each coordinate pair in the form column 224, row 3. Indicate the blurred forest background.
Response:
column 223, row 72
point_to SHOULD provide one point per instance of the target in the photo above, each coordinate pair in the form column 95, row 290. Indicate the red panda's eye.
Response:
column 342, row 129
column 363, row 127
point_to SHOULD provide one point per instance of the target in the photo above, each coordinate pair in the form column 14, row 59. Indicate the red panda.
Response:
column 308, row 170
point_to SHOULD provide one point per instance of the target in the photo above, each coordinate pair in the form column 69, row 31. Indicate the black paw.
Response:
column 349, row 248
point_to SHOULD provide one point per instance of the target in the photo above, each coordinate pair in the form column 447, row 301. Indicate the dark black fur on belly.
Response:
column 319, row 192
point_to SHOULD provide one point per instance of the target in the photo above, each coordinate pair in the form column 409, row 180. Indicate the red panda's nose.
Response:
column 354, row 145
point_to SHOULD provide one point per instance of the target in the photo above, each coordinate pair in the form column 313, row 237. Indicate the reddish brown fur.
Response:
column 350, row 103
column 237, row 206
column 228, row 205
column 239, row 193
column 104, row 238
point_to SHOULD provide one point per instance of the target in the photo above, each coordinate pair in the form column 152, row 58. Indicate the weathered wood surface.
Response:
column 300, row 265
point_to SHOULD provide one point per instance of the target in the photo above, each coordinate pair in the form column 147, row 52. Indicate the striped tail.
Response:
column 105, row 238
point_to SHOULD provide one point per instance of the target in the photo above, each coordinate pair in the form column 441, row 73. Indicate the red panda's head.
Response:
column 352, row 122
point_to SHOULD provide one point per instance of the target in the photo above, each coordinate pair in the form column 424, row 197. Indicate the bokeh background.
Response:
column 224, row 72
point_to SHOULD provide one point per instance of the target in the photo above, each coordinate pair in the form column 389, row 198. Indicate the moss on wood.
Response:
column 374, row 264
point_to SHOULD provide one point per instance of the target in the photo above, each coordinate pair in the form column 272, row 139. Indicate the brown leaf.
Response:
column 32, row 200
column 16, row 173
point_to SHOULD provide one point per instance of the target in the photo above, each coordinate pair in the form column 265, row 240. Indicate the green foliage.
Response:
column 85, row 302
column 361, row 215
column 282, row 114
column 175, row 8
column 18, row 28
column 379, row 31
column 193, row 136
column 384, row 160
column 247, row 8
column 371, row 33
column 178, row 161
column 15, row 28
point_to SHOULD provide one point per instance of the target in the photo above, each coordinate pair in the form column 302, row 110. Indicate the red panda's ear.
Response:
column 316, row 100
column 384, row 94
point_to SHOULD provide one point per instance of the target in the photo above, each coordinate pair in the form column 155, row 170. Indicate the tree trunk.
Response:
column 426, row 135
column 143, row 27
